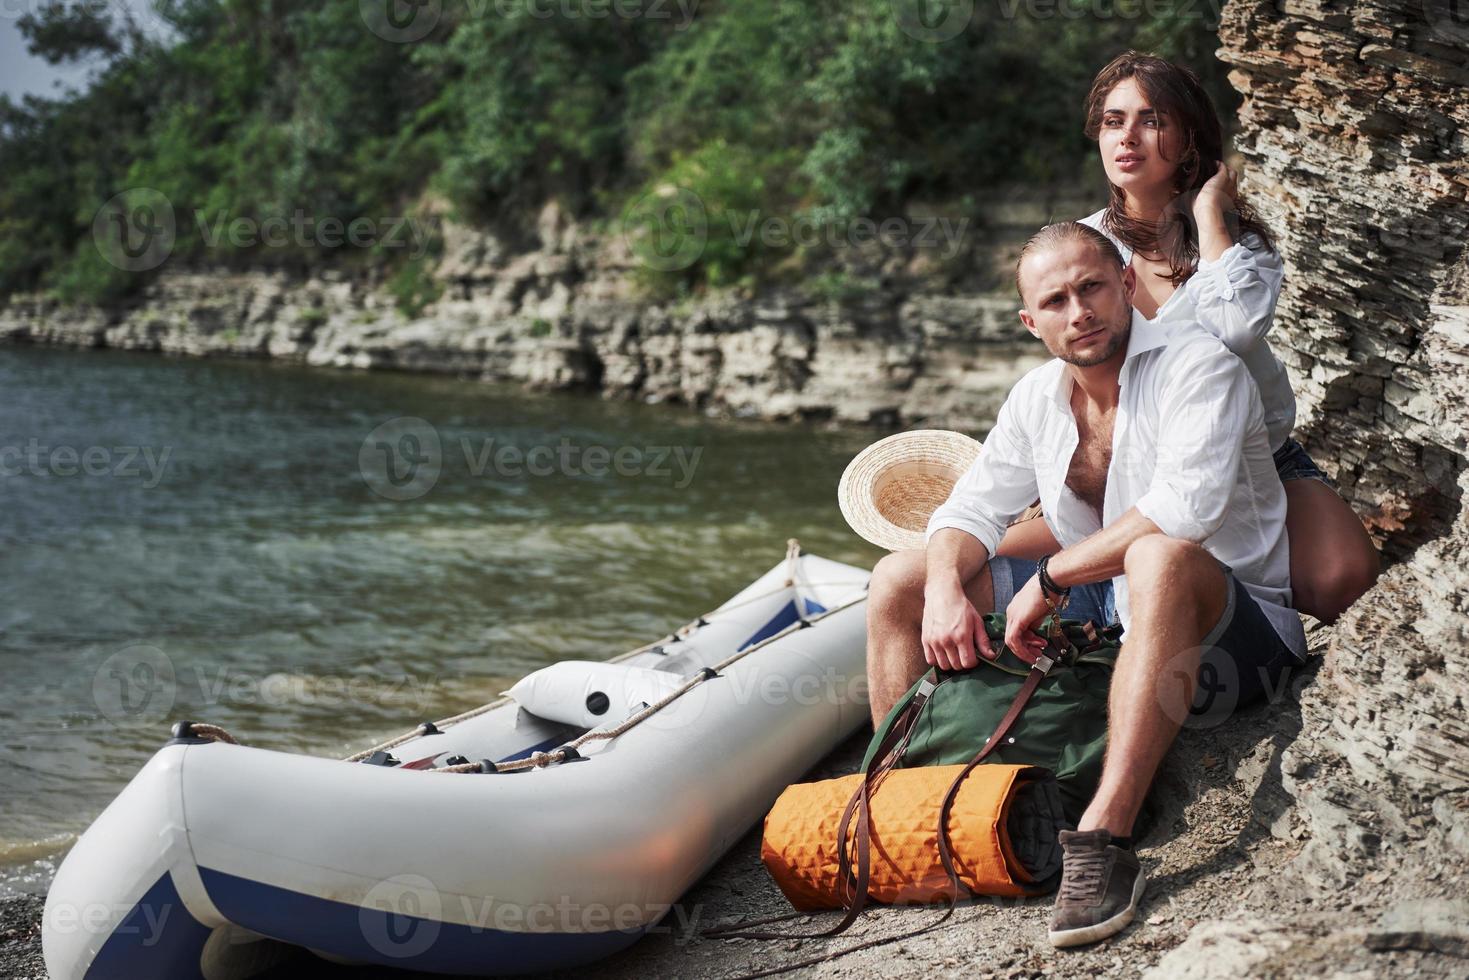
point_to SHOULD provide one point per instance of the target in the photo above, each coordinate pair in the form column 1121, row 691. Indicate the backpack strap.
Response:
column 888, row 754
column 1038, row 672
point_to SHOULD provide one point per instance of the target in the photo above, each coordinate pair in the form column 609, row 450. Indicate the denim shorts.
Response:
column 1243, row 659
column 1292, row 462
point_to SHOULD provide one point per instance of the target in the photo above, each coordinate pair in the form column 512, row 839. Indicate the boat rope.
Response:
column 202, row 729
column 568, row 751
column 793, row 555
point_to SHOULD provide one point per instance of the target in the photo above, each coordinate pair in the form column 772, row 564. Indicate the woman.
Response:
column 1201, row 256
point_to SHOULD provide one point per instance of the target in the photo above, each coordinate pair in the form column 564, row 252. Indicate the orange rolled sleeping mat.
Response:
column 1002, row 832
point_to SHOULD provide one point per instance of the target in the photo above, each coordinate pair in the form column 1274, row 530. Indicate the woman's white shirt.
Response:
column 1234, row 299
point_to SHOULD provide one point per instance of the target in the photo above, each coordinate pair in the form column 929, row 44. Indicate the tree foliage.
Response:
column 246, row 110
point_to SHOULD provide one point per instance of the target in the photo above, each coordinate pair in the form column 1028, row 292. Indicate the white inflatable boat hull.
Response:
column 215, row 855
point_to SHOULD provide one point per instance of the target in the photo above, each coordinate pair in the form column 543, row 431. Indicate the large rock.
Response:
column 1355, row 126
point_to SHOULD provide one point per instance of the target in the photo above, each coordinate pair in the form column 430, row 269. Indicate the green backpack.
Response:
column 1053, row 714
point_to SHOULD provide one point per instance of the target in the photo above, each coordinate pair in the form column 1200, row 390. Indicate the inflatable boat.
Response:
column 547, row 829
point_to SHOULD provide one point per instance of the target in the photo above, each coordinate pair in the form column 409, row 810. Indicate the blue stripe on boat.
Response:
column 405, row 941
column 546, row 746
column 788, row 614
column 157, row 938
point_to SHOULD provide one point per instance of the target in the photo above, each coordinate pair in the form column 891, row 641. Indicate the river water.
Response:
column 286, row 552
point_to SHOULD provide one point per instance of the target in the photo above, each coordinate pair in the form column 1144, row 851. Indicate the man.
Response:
column 1149, row 454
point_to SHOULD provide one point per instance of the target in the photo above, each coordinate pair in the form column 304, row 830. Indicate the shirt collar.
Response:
column 1145, row 335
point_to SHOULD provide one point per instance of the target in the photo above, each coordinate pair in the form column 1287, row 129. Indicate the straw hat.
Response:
column 890, row 488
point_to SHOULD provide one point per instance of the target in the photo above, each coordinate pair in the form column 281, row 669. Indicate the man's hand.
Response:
column 952, row 630
column 1022, row 616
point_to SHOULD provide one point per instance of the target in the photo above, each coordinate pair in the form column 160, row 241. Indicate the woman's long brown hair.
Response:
column 1176, row 92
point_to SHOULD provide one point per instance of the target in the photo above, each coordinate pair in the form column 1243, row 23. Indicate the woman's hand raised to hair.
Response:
column 1219, row 193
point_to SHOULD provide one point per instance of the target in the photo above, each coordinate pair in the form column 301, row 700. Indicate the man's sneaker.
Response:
column 1100, row 887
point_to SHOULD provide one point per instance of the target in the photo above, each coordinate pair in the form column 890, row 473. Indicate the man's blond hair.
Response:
column 1061, row 233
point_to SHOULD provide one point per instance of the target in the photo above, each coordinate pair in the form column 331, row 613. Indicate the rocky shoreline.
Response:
column 897, row 343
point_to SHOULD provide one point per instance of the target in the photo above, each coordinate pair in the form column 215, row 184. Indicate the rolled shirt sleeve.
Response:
column 1207, row 405
column 998, row 486
column 1234, row 296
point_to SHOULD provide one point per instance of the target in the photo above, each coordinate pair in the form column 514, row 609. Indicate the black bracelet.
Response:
column 1048, row 584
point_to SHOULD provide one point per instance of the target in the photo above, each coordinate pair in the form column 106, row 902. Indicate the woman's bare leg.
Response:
column 1332, row 558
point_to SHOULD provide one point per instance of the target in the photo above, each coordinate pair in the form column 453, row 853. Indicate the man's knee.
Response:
column 1158, row 555
column 1161, row 569
column 897, row 579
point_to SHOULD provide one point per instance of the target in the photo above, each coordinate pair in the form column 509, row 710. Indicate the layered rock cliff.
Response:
column 1355, row 128
column 892, row 338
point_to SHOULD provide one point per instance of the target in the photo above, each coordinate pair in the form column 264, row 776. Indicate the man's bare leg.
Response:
column 895, row 625
column 1176, row 590
column 1178, row 593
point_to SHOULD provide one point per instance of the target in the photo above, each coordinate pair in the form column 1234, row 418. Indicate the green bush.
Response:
column 704, row 219
column 413, row 287
column 820, row 112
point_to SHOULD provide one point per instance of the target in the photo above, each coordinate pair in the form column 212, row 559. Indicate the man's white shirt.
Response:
column 1190, row 451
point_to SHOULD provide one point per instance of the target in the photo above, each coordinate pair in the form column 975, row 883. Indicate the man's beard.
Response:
column 1115, row 342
